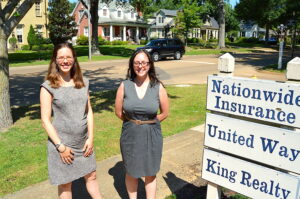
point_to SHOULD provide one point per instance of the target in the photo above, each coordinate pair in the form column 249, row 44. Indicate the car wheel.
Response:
column 177, row 55
column 155, row 56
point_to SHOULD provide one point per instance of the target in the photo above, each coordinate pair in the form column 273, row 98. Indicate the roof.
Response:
column 172, row 13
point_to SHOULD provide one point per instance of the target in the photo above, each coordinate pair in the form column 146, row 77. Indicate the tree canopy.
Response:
column 62, row 26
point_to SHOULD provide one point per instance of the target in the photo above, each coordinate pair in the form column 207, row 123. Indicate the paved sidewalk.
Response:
column 180, row 167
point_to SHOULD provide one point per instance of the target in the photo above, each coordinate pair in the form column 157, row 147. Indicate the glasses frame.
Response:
column 143, row 64
column 62, row 59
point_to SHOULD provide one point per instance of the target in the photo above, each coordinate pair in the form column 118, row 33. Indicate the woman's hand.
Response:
column 67, row 154
column 88, row 147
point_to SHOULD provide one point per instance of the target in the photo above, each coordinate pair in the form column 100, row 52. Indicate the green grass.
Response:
column 109, row 52
column 274, row 68
column 23, row 148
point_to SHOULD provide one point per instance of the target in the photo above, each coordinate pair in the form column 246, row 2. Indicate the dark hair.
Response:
column 152, row 74
column 53, row 70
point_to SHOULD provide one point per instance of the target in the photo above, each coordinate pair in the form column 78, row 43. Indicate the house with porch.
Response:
column 117, row 21
column 163, row 20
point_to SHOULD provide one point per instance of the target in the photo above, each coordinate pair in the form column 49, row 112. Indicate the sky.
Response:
column 232, row 2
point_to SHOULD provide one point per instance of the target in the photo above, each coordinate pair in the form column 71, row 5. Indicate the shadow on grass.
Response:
column 33, row 112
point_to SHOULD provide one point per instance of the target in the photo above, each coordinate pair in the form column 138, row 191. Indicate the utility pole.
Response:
column 281, row 42
column 89, row 28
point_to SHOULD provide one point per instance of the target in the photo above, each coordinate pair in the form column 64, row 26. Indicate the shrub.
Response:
column 118, row 42
column 247, row 40
column 50, row 46
column 101, row 41
column 46, row 41
column 25, row 47
column 13, row 42
column 82, row 40
column 35, row 48
column 213, row 40
column 143, row 41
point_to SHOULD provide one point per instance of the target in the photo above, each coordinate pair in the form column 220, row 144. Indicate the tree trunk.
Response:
column 221, row 43
column 5, row 111
column 94, row 21
column 267, row 33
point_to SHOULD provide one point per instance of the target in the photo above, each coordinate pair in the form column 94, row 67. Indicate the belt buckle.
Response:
column 138, row 122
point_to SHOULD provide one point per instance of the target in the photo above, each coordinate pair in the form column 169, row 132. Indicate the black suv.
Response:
column 162, row 48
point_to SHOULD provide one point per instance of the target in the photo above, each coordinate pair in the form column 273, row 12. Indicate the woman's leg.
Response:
column 92, row 185
column 150, row 186
column 64, row 191
column 131, row 185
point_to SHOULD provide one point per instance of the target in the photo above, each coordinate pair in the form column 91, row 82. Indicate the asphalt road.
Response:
column 103, row 75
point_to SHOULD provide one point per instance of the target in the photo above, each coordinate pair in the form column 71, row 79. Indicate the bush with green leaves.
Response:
column 35, row 48
column 101, row 41
column 25, row 47
column 213, row 40
column 82, row 40
column 13, row 42
column 119, row 42
column 143, row 41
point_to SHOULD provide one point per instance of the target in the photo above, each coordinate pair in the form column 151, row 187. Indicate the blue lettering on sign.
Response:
column 269, row 145
column 270, row 188
column 229, row 136
column 215, row 168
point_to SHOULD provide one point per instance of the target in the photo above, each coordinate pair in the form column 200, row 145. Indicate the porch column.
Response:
column 110, row 33
column 124, row 33
column 206, row 34
column 137, row 35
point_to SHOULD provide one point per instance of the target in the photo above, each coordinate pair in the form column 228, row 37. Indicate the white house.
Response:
column 163, row 20
column 117, row 21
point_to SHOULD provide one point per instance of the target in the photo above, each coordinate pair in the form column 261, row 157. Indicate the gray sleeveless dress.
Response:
column 141, row 145
column 69, row 108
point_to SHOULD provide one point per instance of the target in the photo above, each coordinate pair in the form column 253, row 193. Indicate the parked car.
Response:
column 162, row 48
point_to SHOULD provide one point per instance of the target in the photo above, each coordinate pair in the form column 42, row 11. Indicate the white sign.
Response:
column 247, row 178
column 259, row 99
column 270, row 145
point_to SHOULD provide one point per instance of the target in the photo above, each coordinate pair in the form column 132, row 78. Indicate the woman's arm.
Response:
column 89, row 144
column 164, row 103
column 46, row 109
column 119, row 102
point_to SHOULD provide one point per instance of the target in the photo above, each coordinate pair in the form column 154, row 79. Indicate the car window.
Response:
column 163, row 43
column 172, row 43
column 178, row 43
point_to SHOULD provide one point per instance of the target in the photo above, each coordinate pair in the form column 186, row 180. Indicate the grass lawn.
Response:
column 274, row 68
column 23, row 155
column 109, row 52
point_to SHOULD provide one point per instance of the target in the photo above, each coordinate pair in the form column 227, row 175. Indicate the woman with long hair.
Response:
column 138, row 100
column 65, row 95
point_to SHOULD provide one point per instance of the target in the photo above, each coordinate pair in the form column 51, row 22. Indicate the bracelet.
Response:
column 58, row 145
column 63, row 150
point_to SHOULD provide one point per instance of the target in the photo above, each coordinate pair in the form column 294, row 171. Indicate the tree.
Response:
column 187, row 18
column 264, row 12
column 33, row 38
column 62, row 26
column 221, row 5
column 10, row 15
column 94, row 23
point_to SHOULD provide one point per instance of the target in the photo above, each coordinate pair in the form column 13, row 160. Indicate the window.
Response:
column 80, row 13
column 86, row 31
column 106, row 31
column 160, row 20
column 39, row 29
column 104, row 12
column 20, row 33
column 38, row 9
column 119, row 13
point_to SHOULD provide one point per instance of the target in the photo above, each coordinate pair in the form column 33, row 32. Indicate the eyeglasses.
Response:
column 141, row 63
column 61, row 59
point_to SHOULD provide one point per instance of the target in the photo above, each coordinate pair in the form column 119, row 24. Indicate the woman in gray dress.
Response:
column 65, row 94
column 138, row 100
